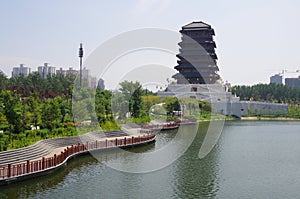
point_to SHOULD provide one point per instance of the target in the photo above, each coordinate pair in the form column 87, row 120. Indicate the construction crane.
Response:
column 283, row 72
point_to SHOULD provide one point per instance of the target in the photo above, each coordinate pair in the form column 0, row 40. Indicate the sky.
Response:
column 255, row 39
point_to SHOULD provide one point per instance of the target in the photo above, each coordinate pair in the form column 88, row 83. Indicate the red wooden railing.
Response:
column 161, row 126
column 14, row 170
column 168, row 125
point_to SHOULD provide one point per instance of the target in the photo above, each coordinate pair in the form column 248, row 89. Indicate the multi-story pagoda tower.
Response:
column 197, row 62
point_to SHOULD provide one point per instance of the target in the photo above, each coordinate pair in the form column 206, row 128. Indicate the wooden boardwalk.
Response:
column 47, row 155
column 45, row 147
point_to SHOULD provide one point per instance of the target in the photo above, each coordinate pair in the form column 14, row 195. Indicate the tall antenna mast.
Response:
column 80, row 57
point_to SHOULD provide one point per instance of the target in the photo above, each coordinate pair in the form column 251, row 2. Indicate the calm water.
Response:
column 251, row 160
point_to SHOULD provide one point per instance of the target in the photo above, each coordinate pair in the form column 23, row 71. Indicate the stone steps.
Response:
column 35, row 151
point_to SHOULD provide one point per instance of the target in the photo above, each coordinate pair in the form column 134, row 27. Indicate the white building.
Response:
column 22, row 70
column 46, row 70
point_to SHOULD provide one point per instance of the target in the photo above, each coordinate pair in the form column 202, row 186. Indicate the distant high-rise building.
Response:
column 46, row 70
column 94, row 82
column 85, row 73
column 87, row 79
column 277, row 79
column 197, row 62
column 101, row 84
column 22, row 70
column 71, row 71
column 293, row 82
column 64, row 73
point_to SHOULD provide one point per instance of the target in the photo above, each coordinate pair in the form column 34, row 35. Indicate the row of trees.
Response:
column 27, row 103
column 19, row 115
column 24, row 106
column 32, row 102
column 50, row 87
column 268, row 92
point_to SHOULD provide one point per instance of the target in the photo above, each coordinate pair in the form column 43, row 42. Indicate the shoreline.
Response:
column 254, row 118
column 257, row 118
column 47, row 164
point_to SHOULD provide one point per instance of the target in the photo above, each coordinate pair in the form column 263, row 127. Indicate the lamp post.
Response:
column 80, row 58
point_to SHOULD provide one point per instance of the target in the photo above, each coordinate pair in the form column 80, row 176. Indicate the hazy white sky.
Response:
column 255, row 39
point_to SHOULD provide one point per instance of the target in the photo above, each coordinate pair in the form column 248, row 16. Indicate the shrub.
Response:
column 109, row 125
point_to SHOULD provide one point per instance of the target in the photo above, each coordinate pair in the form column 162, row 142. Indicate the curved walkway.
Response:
column 46, row 147
column 47, row 155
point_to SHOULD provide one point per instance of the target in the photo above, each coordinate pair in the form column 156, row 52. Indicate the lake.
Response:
column 252, row 159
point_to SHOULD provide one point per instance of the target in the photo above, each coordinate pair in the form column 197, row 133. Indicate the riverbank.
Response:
column 263, row 146
column 254, row 118
column 269, row 118
column 49, row 155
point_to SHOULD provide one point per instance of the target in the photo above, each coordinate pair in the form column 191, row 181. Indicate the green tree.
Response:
column 136, row 102
column 51, row 114
column 172, row 104
column 34, row 108
column 132, row 92
column 268, row 92
column 35, row 81
column 128, row 88
column 103, row 106
column 3, row 81
column 149, row 101
column 13, row 110
column 119, row 105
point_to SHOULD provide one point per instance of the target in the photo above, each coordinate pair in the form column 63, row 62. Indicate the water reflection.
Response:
column 251, row 160
column 194, row 177
column 187, row 177
column 34, row 186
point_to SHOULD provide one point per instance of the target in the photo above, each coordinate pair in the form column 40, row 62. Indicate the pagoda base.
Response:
column 222, row 101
